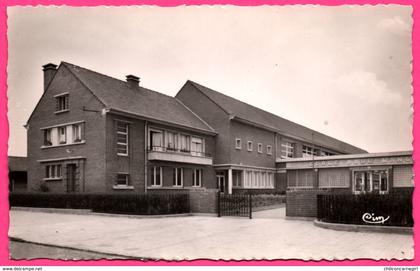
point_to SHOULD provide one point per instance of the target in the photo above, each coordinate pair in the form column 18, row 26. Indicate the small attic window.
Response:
column 61, row 102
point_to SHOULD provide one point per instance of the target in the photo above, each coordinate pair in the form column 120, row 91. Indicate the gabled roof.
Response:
column 117, row 95
column 247, row 113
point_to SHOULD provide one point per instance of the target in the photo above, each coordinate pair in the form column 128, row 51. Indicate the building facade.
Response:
column 378, row 173
column 251, row 140
column 96, row 134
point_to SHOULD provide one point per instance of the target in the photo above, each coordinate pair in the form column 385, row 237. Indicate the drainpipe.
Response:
column 145, row 157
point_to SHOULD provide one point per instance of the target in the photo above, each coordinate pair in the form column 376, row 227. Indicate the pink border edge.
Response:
column 4, row 214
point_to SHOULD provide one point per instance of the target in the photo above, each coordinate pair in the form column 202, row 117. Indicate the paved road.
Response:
column 268, row 236
column 23, row 250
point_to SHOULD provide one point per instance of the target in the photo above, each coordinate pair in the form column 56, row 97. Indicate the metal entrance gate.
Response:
column 234, row 205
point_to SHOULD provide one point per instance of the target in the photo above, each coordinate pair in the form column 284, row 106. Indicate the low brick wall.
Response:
column 302, row 203
column 203, row 201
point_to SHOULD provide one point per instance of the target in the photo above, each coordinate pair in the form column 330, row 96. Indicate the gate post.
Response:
column 250, row 206
column 218, row 204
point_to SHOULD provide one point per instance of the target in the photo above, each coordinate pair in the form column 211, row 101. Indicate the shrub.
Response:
column 349, row 209
column 153, row 204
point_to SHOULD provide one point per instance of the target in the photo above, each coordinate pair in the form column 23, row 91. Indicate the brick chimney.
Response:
column 49, row 72
column 132, row 80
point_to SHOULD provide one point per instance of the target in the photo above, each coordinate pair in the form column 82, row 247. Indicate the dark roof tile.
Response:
column 117, row 94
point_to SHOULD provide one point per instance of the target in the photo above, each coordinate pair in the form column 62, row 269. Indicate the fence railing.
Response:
column 178, row 150
column 234, row 205
column 394, row 209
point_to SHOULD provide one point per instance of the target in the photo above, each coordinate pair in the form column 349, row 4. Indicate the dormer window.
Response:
column 62, row 103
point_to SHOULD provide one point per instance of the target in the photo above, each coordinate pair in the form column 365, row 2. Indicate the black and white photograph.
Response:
column 210, row 132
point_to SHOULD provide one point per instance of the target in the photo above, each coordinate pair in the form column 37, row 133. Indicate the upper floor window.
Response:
column 287, row 150
column 178, row 177
column 269, row 149
column 122, row 138
column 48, row 137
column 309, row 151
column 238, row 143
column 77, row 132
column 171, row 141
column 62, row 102
column 325, row 153
column 260, row 147
column 63, row 134
column 197, row 146
column 249, row 145
column 197, row 177
column 155, row 139
column 184, row 143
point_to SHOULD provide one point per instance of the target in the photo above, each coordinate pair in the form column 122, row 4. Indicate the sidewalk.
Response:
column 267, row 236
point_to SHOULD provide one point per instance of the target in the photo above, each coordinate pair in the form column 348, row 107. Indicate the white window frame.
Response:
column 249, row 146
column 62, row 136
column 195, row 175
column 269, row 150
column 195, row 152
column 286, row 149
column 126, row 133
column 370, row 180
column 127, row 179
column 238, row 143
column 48, row 137
column 58, row 107
column 260, row 148
column 174, row 138
column 176, row 171
column 153, row 182
column 77, row 133
column 53, row 172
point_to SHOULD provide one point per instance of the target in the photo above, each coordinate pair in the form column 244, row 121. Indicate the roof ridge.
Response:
column 199, row 86
column 114, row 78
column 253, row 106
column 81, row 81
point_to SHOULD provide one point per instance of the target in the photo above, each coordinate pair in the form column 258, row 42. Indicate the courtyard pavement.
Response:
column 267, row 236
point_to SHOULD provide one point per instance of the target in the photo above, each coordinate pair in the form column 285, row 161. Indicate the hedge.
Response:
column 143, row 204
column 350, row 209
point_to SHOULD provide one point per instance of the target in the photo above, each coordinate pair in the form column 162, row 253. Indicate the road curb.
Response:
column 123, row 257
column 363, row 228
column 90, row 212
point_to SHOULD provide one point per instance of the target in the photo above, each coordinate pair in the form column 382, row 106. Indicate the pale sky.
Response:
column 344, row 71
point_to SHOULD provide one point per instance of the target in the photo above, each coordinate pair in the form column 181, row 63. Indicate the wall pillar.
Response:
column 230, row 183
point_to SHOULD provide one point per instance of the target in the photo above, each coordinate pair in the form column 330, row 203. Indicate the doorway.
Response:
column 220, row 182
column 71, row 178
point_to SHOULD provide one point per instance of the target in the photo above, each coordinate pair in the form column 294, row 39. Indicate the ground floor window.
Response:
column 370, row 181
column 122, row 179
column 178, row 176
column 53, row 171
column 258, row 179
column 237, row 178
column 156, row 176
column 197, row 174
column 300, row 178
